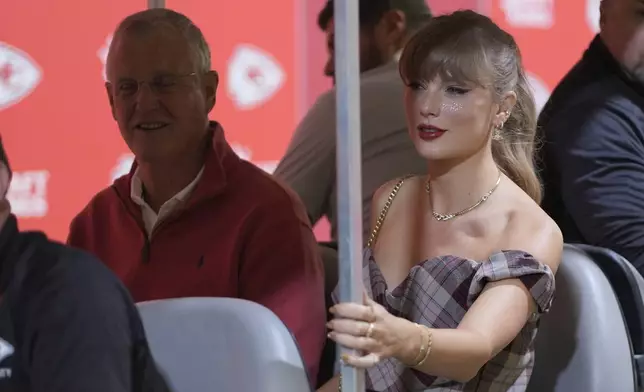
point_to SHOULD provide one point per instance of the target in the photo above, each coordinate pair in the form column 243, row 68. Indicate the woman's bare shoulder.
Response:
column 402, row 186
column 530, row 229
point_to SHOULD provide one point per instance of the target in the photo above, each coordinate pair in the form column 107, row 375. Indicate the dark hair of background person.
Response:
column 371, row 11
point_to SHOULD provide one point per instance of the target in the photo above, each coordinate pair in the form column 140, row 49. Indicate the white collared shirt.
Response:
column 150, row 218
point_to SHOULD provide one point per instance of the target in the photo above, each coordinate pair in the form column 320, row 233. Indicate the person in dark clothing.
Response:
column 66, row 322
column 592, row 128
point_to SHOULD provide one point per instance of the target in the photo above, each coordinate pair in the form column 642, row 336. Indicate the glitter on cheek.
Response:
column 451, row 107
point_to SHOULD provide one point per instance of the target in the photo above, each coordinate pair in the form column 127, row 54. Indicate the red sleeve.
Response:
column 282, row 270
column 76, row 237
column 82, row 229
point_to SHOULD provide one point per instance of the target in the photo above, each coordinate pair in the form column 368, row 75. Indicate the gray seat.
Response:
column 583, row 343
column 638, row 278
column 222, row 345
column 329, row 252
column 628, row 286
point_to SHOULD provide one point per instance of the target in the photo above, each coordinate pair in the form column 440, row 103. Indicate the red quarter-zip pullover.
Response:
column 239, row 234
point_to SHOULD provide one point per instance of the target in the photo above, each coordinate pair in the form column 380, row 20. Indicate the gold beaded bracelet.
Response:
column 425, row 346
column 430, row 340
column 423, row 352
column 422, row 349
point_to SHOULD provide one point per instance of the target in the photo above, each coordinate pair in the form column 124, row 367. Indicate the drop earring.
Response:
column 496, row 134
column 498, row 129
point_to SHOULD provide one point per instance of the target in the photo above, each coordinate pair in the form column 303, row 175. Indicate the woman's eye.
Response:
column 415, row 86
column 457, row 90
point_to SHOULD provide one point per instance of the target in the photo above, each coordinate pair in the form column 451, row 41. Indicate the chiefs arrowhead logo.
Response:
column 19, row 75
column 539, row 89
column 254, row 76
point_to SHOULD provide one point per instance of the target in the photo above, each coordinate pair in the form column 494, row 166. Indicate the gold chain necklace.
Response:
column 442, row 217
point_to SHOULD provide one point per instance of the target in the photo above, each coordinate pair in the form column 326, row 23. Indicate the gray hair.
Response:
column 164, row 18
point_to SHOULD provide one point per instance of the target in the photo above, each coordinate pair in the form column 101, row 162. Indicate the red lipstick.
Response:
column 430, row 132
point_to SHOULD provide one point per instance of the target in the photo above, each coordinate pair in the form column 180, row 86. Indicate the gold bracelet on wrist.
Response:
column 425, row 346
column 419, row 356
column 430, row 340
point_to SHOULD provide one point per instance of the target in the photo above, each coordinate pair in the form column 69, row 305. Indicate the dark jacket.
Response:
column 592, row 158
column 66, row 322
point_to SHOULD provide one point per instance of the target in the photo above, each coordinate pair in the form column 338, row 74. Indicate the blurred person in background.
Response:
column 192, row 219
column 593, row 129
column 463, row 262
column 67, row 324
column 309, row 165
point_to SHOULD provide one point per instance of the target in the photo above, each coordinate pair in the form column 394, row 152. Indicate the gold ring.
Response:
column 369, row 330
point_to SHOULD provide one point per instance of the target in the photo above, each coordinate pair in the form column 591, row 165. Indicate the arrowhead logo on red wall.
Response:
column 254, row 77
column 19, row 75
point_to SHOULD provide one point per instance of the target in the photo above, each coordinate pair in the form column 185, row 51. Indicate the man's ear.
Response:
column 602, row 12
column 5, row 180
column 110, row 97
column 210, row 82
column 392, row 26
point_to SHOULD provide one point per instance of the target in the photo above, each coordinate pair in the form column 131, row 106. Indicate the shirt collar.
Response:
column 136, row 188
column 220, row 160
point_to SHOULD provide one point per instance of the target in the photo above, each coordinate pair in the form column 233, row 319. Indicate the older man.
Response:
column 593, row 154
column 191, row 218
column 66, row 322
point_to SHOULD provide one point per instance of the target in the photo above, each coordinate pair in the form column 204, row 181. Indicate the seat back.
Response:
column 329, row 252
column 628, row 285
column 583, row 343
column 222, row 345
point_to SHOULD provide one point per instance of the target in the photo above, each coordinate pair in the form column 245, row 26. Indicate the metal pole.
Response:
column 156, row 3
column 348, row 155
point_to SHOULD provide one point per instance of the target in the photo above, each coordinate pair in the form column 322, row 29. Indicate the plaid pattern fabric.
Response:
column 437, row 293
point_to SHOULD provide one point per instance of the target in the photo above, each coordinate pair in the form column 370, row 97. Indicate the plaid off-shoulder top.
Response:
column 437, row 293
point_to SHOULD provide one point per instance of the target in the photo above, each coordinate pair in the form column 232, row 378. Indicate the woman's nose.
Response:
column 430, row 105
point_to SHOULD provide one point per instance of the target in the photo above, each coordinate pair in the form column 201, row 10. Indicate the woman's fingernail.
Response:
column 332, row 309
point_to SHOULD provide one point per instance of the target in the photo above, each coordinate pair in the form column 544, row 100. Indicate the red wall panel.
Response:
column 55, row 118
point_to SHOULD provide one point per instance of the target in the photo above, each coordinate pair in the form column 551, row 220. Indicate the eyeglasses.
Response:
column 160, row 84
